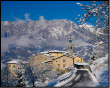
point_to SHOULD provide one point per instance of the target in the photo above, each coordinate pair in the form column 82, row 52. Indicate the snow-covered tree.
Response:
column 20, row 81
column 97, row 13
column 20, row 74
column 30, row 76
column 4, row 76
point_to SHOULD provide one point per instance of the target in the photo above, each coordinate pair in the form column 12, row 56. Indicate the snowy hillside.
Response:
column 100, row 68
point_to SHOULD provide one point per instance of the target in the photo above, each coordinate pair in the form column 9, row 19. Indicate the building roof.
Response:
column 53, row 51
column 17, row 61
column 62, row 56
column 45, row 52
column 81, row 63
column 49, row 55
column 57, row 51
column 13, row 62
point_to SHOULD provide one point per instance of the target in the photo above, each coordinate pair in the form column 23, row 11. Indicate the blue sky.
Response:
column 10, row 10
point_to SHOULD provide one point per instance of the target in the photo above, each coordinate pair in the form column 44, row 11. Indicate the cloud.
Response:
column 21, row 21
column 80, row 43
column 42, row 22
column 41, row 18
column 7, row 43
column 58, row 43
column 27, row 17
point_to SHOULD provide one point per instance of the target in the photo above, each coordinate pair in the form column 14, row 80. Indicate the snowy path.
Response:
column 83, row 79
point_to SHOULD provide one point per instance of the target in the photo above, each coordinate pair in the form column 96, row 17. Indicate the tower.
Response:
column 70, row 47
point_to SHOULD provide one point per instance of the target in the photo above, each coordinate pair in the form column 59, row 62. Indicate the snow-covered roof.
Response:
column 13, row 62
column 49, row 55
column 69, row 67
column 55, row 51
column 25, row 62
column 81, row 63
column 45, row 52
column 17, row 61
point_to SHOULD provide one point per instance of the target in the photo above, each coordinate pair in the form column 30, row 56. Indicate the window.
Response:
column 64, row 61
column 68, row 47
column 13, row 66
column 71, row 47
column 59, row 65
column 64, row 65
column 56, row 61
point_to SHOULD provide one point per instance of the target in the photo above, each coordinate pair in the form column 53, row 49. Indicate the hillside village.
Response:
column 58, row 60
column 55, row 60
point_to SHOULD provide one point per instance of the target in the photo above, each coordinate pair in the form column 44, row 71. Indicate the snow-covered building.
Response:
column 14, row 65
column 57, row 59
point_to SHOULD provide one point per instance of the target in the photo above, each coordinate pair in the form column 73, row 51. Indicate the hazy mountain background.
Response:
column 25, row 38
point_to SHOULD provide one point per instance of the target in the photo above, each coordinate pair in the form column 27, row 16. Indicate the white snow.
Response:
column 39, row 84
column 79, row 4
column 48, row 55
column 82, row 63
column 100, row 69
column 62, row 83
column 91, row 28
column 57, row 51
column 2, row 66
column 93, row 77
column 98, row 61
column 13, row 61
column 6, row 23
column 51, row 51
column 45, row 52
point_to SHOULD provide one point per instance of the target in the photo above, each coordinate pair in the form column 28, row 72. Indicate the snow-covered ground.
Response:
column 100, row 69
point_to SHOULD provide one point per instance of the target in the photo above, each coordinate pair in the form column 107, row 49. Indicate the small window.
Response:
column 13, row 66
column 56, row 61
column 59, row 65
column 64, row 61
column 71, row 47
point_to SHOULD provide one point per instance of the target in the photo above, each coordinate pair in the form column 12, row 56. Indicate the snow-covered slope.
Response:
column 100, row 68
column 90, row 28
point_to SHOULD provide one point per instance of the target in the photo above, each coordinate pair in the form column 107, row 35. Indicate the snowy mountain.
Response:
column 25, row 39
column 45, row 30
column 43, row 35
